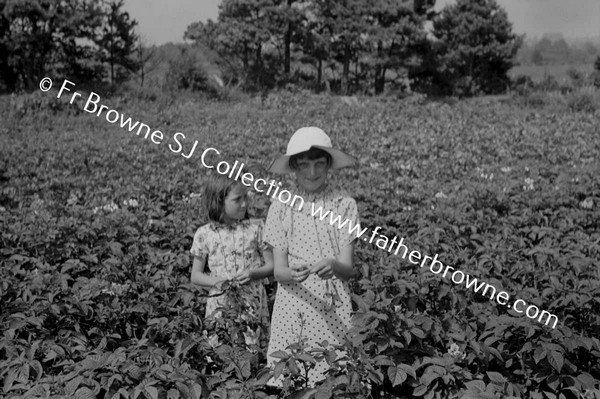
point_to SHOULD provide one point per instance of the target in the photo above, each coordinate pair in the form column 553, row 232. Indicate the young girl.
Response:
column 231, row 246
column 313, row 259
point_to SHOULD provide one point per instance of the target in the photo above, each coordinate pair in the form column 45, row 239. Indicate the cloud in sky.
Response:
column 166, row 21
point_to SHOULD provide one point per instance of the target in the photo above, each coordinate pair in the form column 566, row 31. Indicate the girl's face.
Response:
column 235, row 203
column 311, row 174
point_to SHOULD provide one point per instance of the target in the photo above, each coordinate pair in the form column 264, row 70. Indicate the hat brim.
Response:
column 339, row 160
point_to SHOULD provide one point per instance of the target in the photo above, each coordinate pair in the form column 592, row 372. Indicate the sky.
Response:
column 162, row 21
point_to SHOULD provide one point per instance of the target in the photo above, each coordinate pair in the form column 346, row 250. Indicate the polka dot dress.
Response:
column 315, row 310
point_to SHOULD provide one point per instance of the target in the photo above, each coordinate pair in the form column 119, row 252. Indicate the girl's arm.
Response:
column 343, row 267
column 266, row 270
column 199, row 277
column 260, row 272
column 283, row 273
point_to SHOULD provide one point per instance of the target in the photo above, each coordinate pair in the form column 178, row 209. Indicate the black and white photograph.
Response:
column 302, row 199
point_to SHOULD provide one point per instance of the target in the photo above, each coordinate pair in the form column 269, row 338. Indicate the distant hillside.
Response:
column 532, row 40
column 555, row 49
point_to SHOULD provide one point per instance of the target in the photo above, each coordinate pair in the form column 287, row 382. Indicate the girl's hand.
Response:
column 324, row 268
column 244, row 277
column 300, row 274
column 220, row 284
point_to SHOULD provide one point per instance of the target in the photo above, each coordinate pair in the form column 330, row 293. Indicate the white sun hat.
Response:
column 303, row 140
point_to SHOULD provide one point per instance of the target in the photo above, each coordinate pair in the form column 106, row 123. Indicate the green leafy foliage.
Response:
column 361, row 42
column 117, row 41
column 244, row 27
column 74, row 39
column 475, row 47
column 96, row 225
column 187, row 72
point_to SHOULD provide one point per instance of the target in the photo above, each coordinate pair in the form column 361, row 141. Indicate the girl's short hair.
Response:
column 312, row 154
column 216, row 188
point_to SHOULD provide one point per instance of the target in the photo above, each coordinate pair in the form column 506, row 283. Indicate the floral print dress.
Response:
column 231, row 250
column 316, row 309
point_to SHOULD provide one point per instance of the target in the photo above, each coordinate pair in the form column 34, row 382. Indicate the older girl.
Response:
column 313, row 260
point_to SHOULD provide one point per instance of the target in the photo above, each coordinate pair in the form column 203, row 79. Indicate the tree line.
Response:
column 343, row 46
column 84, row 40
column 362, row 45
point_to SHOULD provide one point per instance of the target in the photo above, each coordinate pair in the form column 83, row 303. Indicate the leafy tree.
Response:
column 27, row 37
column 397, row 36
column 313, row 39
column 117, row 41
column 288, row 16
column 76, row 55
column 187, row 72
column 61, row 39
column 38, row 37
column 8, row 75
column 368, row 38
column 253, row 37
column 475, row 47
column 344, row 22
column 147, row 60
column 214, row 36
column 238, row 36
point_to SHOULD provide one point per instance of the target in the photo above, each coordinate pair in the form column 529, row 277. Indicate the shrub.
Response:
column 522, row 84
column 595, row 78
column 585, row 99
column 188, row 73
column 549, row 83
column 577, row 77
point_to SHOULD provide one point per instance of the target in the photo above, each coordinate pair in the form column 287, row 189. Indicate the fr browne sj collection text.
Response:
column 93, row 106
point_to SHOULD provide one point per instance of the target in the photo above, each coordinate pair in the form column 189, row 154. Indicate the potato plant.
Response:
column 97, row 224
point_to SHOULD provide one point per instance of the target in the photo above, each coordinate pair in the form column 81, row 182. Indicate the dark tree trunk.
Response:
column 379, row 79
column 319, row 71
column 288, row 45
column 111, row 45
column 258, row 73
column 245, row 57
column 380, row 69
column 142, row 68
column 259, row 57
column 288, row 41
column 345, row 73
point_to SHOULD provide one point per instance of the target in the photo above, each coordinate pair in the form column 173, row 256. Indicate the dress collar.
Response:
column 233, row 226
column 326, row 193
